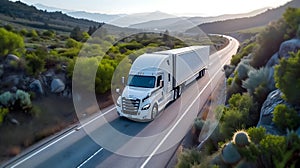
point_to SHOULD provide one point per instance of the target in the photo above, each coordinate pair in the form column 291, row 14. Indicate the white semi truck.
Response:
column 156, row 79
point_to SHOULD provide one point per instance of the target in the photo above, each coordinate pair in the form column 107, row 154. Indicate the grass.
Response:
column 253, row 30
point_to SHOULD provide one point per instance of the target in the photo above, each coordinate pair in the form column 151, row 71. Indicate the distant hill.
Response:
column 139, row 18
column 97, row 17
column 245, row 23
column 29, row 16
column 184, row 23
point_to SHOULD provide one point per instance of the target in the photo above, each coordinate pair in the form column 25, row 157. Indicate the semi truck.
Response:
column 156, row 79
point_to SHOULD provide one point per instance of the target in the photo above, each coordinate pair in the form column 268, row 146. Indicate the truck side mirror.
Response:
column 123, row 80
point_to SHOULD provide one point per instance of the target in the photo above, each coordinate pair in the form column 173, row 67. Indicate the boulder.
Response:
column 57, row 86
column 274, row 60
column 266, row 114
column 289, row 46
column 36, row 87
column 11, row 57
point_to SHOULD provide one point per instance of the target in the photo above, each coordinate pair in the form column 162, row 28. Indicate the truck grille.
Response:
column 130, row 106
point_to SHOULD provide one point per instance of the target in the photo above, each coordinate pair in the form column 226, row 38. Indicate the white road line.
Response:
column 59, row 139
column 178, row 121
column 83, row 163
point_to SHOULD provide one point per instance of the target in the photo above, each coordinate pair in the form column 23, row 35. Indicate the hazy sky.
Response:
column 177, row 7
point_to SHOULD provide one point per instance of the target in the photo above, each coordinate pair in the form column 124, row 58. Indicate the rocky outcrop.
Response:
column 57, row 86
column 289, row 46
column 266, row 114
column 274, row 60
column 36, row 87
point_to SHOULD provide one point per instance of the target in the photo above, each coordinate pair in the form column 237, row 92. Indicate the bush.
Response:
column 10, row 42
column 24, row 99
column 287, row 78
column 243, row 52
column 292, row 17
column 268, row 42
column 243, row 69
column 285, row 117
column 256, row 134
column 259, row 83
column 3, row 113
column 35, row 64
column 7, row 99
column 188, row 158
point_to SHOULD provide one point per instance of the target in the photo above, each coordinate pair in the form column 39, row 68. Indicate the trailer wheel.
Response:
column 154, row 112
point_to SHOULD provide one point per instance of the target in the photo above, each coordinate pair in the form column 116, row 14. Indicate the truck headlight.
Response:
column 146, row 107
column 119, row 101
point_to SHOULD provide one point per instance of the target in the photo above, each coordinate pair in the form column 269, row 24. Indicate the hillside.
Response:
column 247, row 22
column 184, row 23
column 23, row 15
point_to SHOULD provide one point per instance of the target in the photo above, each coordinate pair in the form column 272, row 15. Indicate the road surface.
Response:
column 123, row 143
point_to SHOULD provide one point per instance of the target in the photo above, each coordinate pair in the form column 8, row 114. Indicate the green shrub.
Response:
column 285, row 117
column 268, row 42
column 291, row 16
column 188, row 158
column 287, row 78
column 35, row 65
column 7, row 99
column 24, row 99
column 243, row 69
column 229, row 81
column 3, row 113
column 259, row 83
column 256, row 134
column 243, row 52
column 198, row 123
column 10, row 42
column 273, row 147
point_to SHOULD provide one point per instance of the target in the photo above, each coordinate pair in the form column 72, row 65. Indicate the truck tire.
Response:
column 179, row 92
column 175, row 93
column 154, row 112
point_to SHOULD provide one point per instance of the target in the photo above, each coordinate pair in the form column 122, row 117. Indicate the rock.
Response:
column 266, row 114
column 36, row 86
column 289, row 46
column 12, row 80
column 57, row 86
column 273, row 61
column 14, row 121
column 1, row 70
column 11, row 57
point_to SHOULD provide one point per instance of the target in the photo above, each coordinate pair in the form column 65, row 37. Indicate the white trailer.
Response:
column 158, row 78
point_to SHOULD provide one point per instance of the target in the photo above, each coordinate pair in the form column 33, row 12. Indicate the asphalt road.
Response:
column 107, row 141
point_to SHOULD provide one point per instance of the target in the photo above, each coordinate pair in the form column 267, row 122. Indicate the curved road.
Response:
column 96, row 144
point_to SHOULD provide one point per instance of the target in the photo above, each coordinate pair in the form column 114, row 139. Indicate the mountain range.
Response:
column 183, row 23
column 232, row 25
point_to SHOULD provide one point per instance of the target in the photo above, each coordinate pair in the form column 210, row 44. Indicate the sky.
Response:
column 176, row 7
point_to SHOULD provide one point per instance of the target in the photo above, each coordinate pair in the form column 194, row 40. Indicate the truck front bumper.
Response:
column 141, row 116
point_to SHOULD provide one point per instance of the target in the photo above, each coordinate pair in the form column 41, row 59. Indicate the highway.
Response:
column 107, row 141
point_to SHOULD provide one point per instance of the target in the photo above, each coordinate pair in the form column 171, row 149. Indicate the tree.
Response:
column 10, row 42
column 76, row 34
column 292, row 17
column 287, row 78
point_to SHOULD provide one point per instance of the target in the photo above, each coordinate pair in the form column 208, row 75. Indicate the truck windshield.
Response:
column 141, row 81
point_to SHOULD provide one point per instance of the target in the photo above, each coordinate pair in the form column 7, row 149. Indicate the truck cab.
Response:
column 148, row 88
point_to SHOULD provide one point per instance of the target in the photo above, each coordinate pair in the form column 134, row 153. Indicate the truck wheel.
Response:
column 154, row 112
column 179, row 92
column 175, row 93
